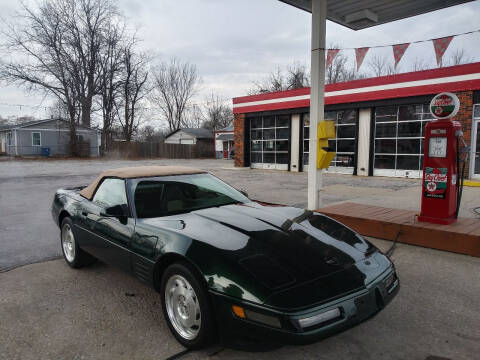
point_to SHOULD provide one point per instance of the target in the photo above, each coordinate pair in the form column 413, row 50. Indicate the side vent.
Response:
column 142, row 271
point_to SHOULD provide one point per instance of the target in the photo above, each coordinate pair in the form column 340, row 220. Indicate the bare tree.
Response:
column 295, row 77
column 273, row 82
column 459, row 57
column 111, row 68
column 174, row 85
column 193, row 117
column 381, row 66
column 90, row 24
column 419, row 64
column 58, row 111
column 39, row 35
column 134, row 89
column 149, row 134
column 60, row 43
column 146, row 133
column 339, row 70
column 217, row 114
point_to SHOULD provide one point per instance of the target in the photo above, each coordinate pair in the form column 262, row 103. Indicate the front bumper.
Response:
column 354, row 308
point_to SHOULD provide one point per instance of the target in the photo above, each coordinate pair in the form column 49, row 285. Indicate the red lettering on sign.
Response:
column 436, row 177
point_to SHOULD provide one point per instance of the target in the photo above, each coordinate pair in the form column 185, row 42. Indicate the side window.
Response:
column 147, row 198
column 110, row 193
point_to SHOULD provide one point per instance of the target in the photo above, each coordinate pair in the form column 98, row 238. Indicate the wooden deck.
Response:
column 461, row 237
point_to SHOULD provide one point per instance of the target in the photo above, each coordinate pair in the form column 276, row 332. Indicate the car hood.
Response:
column 260, row 251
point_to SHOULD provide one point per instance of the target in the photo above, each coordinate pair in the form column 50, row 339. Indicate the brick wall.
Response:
column 464, row 116
column 239, row 139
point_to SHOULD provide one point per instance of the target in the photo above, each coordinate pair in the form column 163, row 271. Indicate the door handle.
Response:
column 84, row 213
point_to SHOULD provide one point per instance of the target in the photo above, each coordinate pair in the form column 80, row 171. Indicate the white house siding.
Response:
column 3, row 142
column 181, row 137
column 218, row 149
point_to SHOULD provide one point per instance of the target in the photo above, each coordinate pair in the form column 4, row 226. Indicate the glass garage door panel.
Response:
column 399, row 136
column 306, row 139
column 343, row 143
column 475, row 144
column 269, row 142
column 476, row 147
column 384, row 162
column 477, row 152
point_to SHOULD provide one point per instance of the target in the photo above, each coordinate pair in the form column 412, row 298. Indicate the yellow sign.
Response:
column 326, row 130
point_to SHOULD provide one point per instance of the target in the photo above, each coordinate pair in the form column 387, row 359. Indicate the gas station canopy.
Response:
column 361, row 14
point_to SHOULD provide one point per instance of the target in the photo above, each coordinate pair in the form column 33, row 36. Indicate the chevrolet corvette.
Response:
column 225, row 265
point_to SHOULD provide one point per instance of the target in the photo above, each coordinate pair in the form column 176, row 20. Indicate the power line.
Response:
column 222, row 100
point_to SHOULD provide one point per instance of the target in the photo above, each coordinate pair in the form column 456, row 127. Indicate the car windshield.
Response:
column 170, row 195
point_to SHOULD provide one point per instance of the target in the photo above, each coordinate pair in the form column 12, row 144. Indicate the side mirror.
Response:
column 244, row 193
column 118, row 211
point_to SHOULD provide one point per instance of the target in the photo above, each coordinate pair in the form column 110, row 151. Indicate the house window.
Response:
column 36, row 139
column 9, row 139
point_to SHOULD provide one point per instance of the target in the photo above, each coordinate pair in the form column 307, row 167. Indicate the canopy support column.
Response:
column 317, row 98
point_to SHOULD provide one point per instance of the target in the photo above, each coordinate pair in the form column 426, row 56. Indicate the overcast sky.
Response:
column 234, row 42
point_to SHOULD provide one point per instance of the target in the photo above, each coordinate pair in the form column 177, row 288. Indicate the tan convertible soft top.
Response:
column 138, row 172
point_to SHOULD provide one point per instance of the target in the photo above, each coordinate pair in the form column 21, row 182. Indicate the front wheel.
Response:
column 73, row 255
column 186, row 307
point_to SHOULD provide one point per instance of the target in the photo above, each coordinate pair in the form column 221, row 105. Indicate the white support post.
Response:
column 317, row 98
column 16, row 142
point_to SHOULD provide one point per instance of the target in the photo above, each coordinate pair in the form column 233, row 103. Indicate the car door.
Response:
column 110, row 238
column 146, row 197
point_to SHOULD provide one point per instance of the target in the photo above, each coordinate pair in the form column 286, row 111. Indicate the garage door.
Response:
column 399, row 134
column 269, row 142
column 343, row 144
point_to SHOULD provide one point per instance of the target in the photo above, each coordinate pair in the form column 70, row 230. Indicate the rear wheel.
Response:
column 73, row 255
column 186, row 307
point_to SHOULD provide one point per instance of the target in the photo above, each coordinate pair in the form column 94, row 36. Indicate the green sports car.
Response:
column 225, row 265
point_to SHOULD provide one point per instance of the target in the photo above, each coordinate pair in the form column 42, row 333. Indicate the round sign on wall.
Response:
column 444, row 105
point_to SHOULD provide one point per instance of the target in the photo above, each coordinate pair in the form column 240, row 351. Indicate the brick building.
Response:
column 380, row 123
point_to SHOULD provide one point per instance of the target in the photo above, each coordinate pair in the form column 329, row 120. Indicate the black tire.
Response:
column 206, row 333
column 80, row 258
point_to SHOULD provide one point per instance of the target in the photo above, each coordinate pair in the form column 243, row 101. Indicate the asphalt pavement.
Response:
column 48, row 310
column 29, row 235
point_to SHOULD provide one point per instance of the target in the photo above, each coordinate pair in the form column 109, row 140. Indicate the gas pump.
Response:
column 445, row 156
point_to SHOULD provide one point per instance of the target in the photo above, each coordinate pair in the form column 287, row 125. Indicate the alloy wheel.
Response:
column 68, row 243
column 183, row 307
